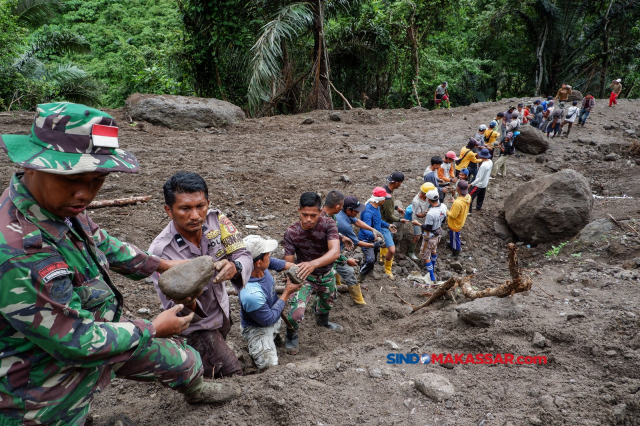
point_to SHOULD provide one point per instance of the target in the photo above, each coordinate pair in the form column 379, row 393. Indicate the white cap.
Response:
column 258, row 245
column 433, row 195
column 619, row 80
column 483, row 127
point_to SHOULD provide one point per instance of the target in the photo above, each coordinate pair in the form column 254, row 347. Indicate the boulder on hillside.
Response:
column 575, row 95
column 550, row 208
column 183, row 112
column 531, row 141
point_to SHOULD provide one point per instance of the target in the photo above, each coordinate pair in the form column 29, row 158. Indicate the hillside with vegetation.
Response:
column 286, row 57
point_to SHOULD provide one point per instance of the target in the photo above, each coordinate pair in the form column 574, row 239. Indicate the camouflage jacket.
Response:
column 59, row 333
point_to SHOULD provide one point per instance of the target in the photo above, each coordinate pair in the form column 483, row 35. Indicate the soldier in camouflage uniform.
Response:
column 62, row 336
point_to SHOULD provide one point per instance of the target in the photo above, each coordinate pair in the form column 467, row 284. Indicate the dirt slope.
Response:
column 261, row 167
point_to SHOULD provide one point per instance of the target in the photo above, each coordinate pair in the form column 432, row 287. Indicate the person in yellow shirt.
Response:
column 457, row 216
column 491, row 135
column 467, row 158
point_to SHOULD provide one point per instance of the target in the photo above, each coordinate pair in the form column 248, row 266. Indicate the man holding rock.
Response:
column 313, row 243
column 260, row 306
column 63, row 336
column 195, row 230
column 432, row 227
column 616, row 88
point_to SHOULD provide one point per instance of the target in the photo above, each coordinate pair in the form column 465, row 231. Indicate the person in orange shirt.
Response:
column 446, row 172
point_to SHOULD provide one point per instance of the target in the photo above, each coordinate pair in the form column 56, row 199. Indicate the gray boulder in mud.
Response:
column 531, row 140
column 183, row 112
column 575, row 95
column 550, row 208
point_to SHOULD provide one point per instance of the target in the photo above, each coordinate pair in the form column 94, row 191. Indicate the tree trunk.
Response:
column 605, row 53
column 540, row 58
column 411, row 35
column 320, row 94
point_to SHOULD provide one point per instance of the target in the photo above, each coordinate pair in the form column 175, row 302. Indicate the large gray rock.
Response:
column 434, row 386
column 187, row 279
column 485, row 311
column 550, row 208
column 183, row 112
column 531, row 140
column 575, row 95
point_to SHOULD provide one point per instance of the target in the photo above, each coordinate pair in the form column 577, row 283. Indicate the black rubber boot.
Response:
column 456, row 253
column 322, row 320
column 291, row 341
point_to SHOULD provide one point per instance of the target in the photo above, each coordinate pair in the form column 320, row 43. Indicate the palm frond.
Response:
column 34, row 13
column 73, row 84
column 56, row 42
column 267, row 51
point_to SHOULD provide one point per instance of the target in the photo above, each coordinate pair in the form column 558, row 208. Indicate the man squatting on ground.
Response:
column 260, row 306
column 371, row 216
column 314, row 244
column 432, row 228
column 63, row 337
column 391, row 214
column 195, row 230
column 344, row 211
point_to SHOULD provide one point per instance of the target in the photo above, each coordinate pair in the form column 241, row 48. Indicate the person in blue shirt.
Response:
column 371, row 217
column 345, row 218
column 260, row 306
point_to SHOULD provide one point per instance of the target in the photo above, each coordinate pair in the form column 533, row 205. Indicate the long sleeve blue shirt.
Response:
column 371, row 216
column 259, row 302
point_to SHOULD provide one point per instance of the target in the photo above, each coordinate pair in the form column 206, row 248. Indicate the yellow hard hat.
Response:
column 427, row 186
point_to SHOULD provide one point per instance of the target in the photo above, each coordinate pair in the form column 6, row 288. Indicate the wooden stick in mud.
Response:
column 119, row 202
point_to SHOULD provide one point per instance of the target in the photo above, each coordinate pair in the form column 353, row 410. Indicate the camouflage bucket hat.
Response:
column 69, row 139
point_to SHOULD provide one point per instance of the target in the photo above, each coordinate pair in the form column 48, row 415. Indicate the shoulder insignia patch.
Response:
column 51, row 267
column 227, row 223
column 61, row 290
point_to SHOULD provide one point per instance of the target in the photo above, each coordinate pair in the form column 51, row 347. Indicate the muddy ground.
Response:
column 261, row 167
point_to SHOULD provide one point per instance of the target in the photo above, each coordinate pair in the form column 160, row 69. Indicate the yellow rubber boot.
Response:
column 356, row 295
column 338, row 282
column 383, row 254
column 387, row 268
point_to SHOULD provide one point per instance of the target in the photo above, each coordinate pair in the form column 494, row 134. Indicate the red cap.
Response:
column 451, row 155
column 379, row 192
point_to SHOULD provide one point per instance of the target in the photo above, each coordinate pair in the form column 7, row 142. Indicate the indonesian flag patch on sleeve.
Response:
column 104, row 136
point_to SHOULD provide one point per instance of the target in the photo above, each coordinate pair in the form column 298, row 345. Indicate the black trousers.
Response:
column 370, row 256
column 479, row 194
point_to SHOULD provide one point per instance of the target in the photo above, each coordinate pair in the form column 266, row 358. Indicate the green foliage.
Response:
column 555, row 250
column 380, row 53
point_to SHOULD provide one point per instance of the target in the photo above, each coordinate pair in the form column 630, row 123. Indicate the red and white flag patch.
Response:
column 53, row 270
column 104, row 136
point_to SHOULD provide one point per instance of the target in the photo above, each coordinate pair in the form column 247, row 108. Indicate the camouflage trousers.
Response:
column 171, row 362
column 326, row 293
column 262, row 347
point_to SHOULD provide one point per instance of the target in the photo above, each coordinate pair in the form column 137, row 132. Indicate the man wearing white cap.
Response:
column 616, row 88
column 260, row 307
column 432, row 227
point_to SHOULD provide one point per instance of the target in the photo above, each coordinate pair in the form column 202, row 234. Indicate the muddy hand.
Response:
column 168, row 324
column 227, row 270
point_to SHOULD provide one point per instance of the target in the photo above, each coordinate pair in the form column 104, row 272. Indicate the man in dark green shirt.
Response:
column 391, row 214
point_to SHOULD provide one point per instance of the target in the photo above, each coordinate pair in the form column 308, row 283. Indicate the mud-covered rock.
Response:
column 575, row 95
column 434, row 386
column 531, row 141
column 550, row 208
column 485, row 311
column 187, row 279
column 183, row 112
